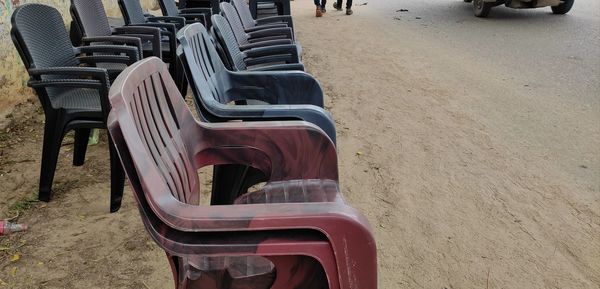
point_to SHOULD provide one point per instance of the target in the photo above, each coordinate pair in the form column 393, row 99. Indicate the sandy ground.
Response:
column 475, row 171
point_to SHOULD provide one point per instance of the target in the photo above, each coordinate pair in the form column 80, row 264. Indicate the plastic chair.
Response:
column 282, row 7
column 133, row 14
column 253, row 39
column 289, row 95
column 268, row 58
column 73, row 97
column 191, row 15
column 90, row 19
column 296, row 232
column 250, row 23
column 212, row 4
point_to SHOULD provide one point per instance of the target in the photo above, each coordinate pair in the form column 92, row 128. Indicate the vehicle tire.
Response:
column 563, row 8
column 482, row 8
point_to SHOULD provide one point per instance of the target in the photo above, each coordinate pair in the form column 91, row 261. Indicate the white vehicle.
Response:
column 482, row 8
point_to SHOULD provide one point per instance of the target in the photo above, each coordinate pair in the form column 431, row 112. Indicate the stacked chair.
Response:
column 295, row 232
column 276, row 218
column 191, row 15
column 275, row 57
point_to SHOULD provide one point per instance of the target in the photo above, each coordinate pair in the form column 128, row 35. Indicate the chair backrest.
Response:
column 132, row 11
column 168, row 7
column 202, row 64
column 226, row 38
column 145, row 122
column 244, row 12
column 233, row 18
column 90, row 17
column 39, row 34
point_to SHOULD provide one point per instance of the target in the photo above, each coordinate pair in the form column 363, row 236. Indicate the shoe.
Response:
column 336, row 7
column 349, row 11
column 319, row 13
column 323, row 10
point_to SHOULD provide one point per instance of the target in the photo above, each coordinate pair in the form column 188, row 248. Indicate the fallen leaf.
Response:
column 15, row 257
column 359, row 153
column 2, row 283
column 13, row 271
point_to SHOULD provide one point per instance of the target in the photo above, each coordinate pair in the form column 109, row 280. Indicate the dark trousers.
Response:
column 348, row 3
column 321, row 3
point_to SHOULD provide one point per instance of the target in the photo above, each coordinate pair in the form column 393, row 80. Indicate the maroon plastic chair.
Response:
column 295, row 232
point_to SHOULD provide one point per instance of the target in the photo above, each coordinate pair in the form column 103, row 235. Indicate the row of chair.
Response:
column 261, row 121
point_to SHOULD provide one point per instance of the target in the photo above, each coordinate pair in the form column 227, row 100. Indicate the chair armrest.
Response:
column 290, row 49
column 81, row 77
column 245, row 47
column 169, row 30
column 282, row 31
column 194, row 17
column 265, row 26
column 178, row 21
column 279, row 67
column 132, row 54
column 287, row 19
column 273, row 112
column 151, row 34
column 196, row 10
column 115, row 40
column 270, row 59
column 276, row 87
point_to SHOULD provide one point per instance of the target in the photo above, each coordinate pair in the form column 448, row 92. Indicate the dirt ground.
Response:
column 460, row 187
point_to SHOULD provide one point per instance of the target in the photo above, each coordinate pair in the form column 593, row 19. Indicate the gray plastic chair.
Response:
column 133, row 14
column 269, row 58
column 191, row 15
column 212, row 4
column 291, row 95
column 73, row 97
column 259, row 38
column 251, row 24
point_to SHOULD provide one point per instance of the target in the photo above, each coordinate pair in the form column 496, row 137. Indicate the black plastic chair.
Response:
column 258, row 38
column 191, row 15
column 266, row 7
column 89, row 18
column 133, row 14
column 212, row 4
column 251, row 24
column 290, row 95
column 269, row 58
column 73, row 97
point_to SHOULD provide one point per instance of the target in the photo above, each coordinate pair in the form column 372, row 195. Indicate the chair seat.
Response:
column 81, row 99
column 294, row 191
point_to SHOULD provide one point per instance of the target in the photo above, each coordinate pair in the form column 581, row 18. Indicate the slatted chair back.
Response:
column 226, row 38
column 228, row 11
column 150, row 101
column 202, row 63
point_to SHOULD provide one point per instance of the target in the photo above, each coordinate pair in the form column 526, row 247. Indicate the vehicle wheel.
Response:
column 481, row 8
column 563, row 8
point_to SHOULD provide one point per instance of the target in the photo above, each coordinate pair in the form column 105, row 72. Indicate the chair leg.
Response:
column 226, row 182
column 53, row 135
column 117, row 179
column 82, row 136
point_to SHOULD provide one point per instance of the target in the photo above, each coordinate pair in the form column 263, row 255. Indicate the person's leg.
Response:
column 323, row 9
column 349, row 7
column 318, row 12
column 337, row 5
